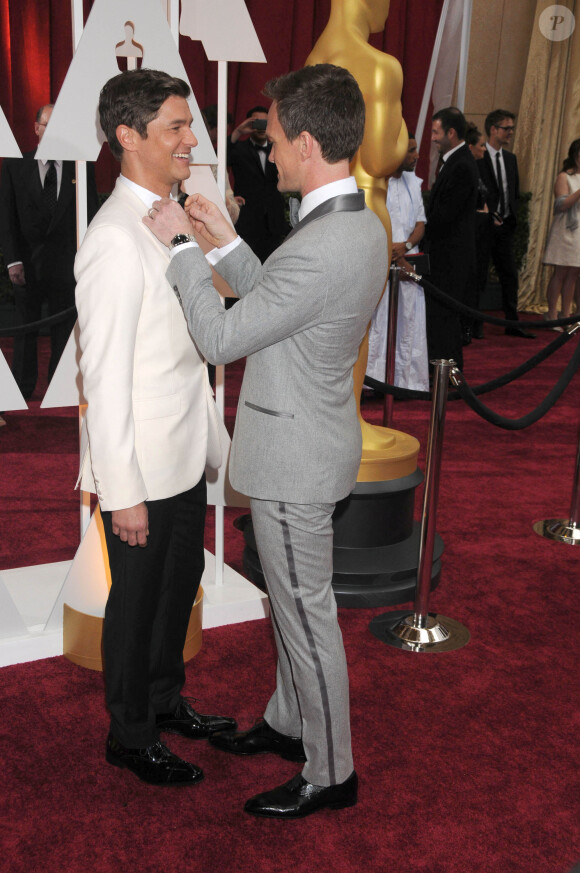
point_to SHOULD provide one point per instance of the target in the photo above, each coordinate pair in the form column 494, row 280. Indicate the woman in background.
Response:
column 563, row 246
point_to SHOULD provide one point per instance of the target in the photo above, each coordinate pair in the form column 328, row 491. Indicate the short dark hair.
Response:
column 452, row 117
column 410, row 135
column 472, row 134
column 572, row 157
column 134, row 98
column 41, row 110
column 324, row 100
column 251, row 111
column 494, row 118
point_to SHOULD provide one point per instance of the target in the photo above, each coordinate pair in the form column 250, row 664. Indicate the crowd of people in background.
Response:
column 471, row 221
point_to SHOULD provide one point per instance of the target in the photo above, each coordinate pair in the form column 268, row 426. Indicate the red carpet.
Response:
column 467, row 760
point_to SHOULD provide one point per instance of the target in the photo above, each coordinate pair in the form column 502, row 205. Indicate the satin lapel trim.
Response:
column 67, row 190
column 342, row 203
column 35, row 183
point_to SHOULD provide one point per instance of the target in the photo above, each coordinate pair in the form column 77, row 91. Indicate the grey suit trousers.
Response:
column 311, row 699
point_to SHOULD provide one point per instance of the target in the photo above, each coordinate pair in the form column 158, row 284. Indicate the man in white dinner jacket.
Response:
column 149, row 431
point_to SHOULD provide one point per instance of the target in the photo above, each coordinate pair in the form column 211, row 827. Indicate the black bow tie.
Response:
column 260, row 148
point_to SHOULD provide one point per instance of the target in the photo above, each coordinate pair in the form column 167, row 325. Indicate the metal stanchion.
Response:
column 422, row 631
column 394, row 279
column 565, row 530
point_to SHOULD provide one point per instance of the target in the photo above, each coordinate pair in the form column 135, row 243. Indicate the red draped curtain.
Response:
column 36, row 50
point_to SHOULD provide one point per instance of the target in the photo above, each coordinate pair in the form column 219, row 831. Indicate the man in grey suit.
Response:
column 297, row 442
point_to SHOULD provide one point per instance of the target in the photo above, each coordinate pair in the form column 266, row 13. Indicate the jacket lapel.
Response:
column 34, row 184
column 67, row 190
column 341, row 203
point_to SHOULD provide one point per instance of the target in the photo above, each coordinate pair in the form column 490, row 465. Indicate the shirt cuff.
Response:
column 215, row 255
column 181, row 247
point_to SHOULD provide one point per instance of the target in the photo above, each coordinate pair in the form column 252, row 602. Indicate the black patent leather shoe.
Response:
column 298, row 798
column 517, row 331
column 154, row 764
column 189, row 723
column 260, row 738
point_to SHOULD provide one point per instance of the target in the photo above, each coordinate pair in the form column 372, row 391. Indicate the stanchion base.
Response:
column 558, row 529
column 441, row 634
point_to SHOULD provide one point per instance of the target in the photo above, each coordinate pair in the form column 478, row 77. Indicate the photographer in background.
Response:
column 262, row 224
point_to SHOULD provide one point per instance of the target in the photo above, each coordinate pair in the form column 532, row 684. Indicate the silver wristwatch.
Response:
column 181, row 238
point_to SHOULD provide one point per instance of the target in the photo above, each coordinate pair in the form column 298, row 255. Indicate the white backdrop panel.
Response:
column 10, row 394
column 8, row 145
column 74, row 132
column 224, row 27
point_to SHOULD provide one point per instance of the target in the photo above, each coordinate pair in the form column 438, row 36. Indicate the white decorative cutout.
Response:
column 10, row 395
column 8, row 145
column 86, row 586
column 66, row 385
column 11, row 622
column 225, row 29
column 74, row 132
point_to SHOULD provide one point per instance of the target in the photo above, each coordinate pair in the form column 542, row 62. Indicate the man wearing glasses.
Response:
column 498, row 170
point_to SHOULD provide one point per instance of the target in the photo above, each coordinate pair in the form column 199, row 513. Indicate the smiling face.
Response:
column 285, row 154
column 440, row 138
column 162, row 158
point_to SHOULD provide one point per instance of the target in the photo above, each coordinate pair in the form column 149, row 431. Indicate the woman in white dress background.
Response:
column 563, row 246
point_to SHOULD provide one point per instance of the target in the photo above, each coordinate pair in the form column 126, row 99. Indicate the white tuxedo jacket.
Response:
column 151, row 424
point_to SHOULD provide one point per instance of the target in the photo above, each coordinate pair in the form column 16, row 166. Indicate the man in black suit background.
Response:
column 38, row 236
column 498, row 170
column 450, row 233
column 262, row 224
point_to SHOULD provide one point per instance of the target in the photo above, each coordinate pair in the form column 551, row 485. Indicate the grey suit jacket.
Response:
column 300, row 320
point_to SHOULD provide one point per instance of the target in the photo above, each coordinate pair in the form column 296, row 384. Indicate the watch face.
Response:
column 179, row 239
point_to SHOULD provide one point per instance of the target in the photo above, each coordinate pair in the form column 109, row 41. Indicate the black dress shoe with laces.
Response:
column 298, row 798
column 155, row 764
column 189, row 723
column 260, row 738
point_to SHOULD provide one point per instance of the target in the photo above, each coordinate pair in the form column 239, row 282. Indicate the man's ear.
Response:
column 307, row 144
column 127, row 137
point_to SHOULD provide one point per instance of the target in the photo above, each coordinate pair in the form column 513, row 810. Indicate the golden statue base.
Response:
column 82, row 635
column 387, row 454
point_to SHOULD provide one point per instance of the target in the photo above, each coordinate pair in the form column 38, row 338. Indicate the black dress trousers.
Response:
column 152, row 593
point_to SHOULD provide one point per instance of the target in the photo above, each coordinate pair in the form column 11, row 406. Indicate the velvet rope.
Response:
column 33, row 326
column 463, row 309
column 499, row 382
column 532, row 417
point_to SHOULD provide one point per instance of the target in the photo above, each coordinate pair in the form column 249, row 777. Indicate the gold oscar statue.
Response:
column 387, row 454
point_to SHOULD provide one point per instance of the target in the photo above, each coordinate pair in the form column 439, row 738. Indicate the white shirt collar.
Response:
column 324, row 193
column 493, row 152
column 148, row 197
column 451, row 151
column 44, row 163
